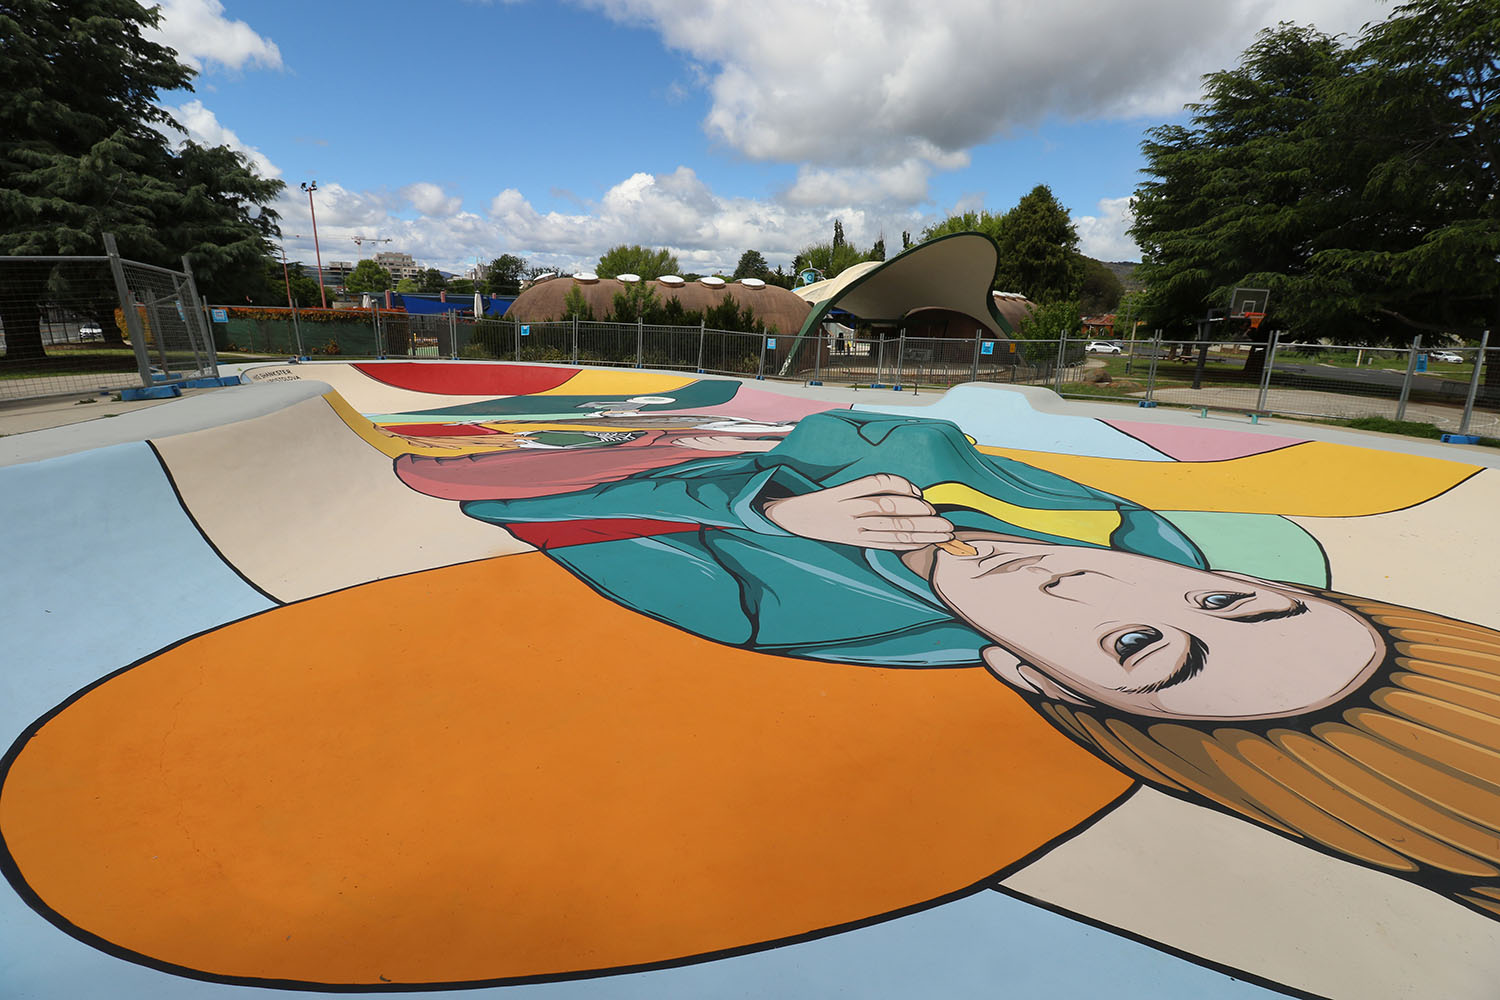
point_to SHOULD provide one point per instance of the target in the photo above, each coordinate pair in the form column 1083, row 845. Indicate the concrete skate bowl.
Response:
column 536, row 680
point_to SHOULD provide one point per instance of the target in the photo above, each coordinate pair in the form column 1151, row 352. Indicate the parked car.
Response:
column 1102, row 347
column 90, row 331
column 1446, row 357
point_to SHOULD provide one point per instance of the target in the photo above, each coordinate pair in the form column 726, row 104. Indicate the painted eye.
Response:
column 1218, row 602
column 1134, row 641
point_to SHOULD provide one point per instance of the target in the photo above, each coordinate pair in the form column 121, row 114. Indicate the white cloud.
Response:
column 885, row 82
column 1104, row 236
column 430, row 199
column 202, row 35
column 203, row 127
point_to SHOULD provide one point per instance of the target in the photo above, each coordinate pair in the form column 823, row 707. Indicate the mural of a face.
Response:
column 1151, row 637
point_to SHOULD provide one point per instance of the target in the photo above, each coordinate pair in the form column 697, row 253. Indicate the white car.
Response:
column 1102, row 347
column 1447, row 357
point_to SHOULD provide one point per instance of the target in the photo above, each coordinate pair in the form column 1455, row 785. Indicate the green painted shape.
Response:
column 1265, row 545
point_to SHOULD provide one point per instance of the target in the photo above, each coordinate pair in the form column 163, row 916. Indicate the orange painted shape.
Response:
column 486, row 771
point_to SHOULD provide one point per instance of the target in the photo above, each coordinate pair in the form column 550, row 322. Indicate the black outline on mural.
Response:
column 172, row 482
column 12, row 873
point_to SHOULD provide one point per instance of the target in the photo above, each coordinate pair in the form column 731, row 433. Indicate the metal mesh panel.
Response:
column 728, row 353
column 61, row 328
column 607, row 343
column 170, row 321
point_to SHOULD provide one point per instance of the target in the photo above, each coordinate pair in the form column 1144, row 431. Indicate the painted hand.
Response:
column 876, row 512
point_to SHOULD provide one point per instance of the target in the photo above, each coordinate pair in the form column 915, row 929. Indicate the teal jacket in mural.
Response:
column 739, row 579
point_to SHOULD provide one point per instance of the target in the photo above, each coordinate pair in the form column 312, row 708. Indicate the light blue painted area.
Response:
column 1269, row 546
column 113, row 570
column 1006, row 420
column 978, row 948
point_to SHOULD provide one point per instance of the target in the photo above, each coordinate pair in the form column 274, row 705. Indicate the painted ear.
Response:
column 1024, row 677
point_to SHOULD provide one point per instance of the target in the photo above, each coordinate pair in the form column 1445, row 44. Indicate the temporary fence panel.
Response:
column 62, row 328
column 91, row 324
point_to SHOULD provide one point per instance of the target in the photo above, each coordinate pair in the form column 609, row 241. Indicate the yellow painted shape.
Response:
column 598, row 383
column 383, row 443
column 1312, row 479
column 1094, row 526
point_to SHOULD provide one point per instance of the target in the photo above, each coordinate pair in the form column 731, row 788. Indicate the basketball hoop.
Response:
column 1255, row 319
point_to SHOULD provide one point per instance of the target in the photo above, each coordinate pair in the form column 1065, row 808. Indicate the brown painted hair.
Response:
column 1403, row 775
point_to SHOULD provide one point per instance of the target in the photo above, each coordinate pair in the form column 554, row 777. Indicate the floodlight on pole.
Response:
column 310, row 187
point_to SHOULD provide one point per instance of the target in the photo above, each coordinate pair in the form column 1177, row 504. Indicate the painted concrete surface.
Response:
column 539, row 680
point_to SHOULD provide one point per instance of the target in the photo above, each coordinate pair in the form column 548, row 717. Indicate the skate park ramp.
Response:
column 546, row 682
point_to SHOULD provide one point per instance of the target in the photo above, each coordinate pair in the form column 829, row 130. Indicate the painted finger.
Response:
column 926, row 525
column 902, row 541
column 889, row 506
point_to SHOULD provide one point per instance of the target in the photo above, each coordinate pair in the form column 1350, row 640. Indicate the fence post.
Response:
column 1265, row 375
column 161, row 341
column 879, row 364
column 900, row 360
column 518, row 338
column 453, row 334
column 1411, row 370
column 702, row 332
column 375, row 325
column 132, row 318
column 1151, row 371
column 974, row 368
column 206, row 333
column 640, row 342
column 575, row 338
column 1057, row 370
column 819, row 340
column 296, row 331
column 1484, row 343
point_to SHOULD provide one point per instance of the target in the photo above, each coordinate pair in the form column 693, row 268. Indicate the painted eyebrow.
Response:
column 1192, row 665
column 1297, row 608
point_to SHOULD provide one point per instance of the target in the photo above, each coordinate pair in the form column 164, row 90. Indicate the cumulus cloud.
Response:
column 203, row 36
column 884, row 82
column 203, row 127
column 1103, row 236
column 430, row 199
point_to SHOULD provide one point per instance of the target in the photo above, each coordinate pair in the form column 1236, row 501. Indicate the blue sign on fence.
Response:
column 221, row 315
column 525, row 330
column 1421, row 362
column 988, row 347
column 771, row 344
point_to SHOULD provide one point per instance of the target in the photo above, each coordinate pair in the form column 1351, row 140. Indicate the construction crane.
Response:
column 360, row 241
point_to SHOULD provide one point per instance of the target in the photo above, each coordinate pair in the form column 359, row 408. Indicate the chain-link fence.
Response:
column 1456, row 390
column 90, row 324
column 1441, row 387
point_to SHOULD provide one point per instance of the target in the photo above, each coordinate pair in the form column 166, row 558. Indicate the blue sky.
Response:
column 462, row 129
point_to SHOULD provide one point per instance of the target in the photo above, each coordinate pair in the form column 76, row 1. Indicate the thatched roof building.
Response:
column 778, row 308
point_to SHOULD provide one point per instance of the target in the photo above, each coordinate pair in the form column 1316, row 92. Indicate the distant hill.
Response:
column 1125, row 271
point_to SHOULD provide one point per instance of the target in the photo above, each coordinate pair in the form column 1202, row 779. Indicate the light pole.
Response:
column 310, row 188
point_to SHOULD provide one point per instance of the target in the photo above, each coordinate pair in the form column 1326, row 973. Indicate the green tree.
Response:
column 575, row 306
column 830, row 259
column 635, row 259
column 367, row 276
column 965, row 222
column 1416, row 122
column 1101, row 290
column 1250, row 189
column 1039, row 249
column 82, row 153
column 751, row 265
column 1051, row 319
column 408, row 285
column 505, row 274
column 430, row 281
column 462, row 286
column 877, row 252
column 838, row 235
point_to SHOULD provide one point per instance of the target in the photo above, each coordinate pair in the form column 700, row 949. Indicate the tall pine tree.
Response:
column 82, row 153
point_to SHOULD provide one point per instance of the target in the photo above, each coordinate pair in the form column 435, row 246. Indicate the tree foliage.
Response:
column 636, row 259
column 367, row 276
column 1356, row 182
column 1101, row 289
column 752, row 265
column 83, row 152
column 506, row 273
column 431, row 281
column 1038, row 245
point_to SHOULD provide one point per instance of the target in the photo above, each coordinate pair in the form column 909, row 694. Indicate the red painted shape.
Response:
column 561, row 534
column 467, row 380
